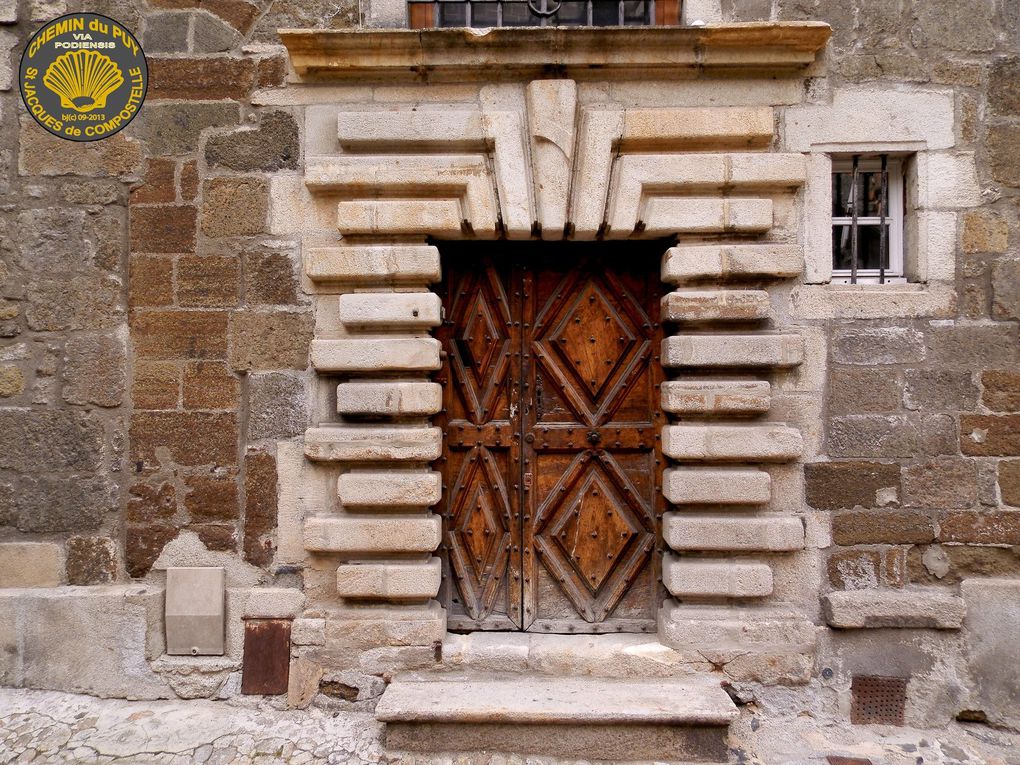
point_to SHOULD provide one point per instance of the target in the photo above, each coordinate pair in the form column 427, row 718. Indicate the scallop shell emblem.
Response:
column 83, row 79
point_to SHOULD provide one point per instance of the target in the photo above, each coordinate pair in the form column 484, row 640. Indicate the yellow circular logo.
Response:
column 83, row 77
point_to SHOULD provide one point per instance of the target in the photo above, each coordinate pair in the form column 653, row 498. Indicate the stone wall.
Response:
column 145, row 378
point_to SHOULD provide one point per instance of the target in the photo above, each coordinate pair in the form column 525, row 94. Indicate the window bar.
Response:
column 499, row 13
column 882, row 236
column 589, row 10
column 853, row 221
column 467, row 14
column 650, row 12
column 619, row 13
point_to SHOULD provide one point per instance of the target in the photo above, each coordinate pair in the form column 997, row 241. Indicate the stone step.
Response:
column 703, row 262
column 717, row 486
column 688, row 578
column 730, row 397
column 371, row 444
column 755, row 443
column 578, row 717
column 376, row 354
column 378, row 264
column 760, row 533
column 716, row 305
column 413, row 580
column 724, row 351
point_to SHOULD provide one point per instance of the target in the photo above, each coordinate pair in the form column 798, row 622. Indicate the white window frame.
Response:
column 895, row 273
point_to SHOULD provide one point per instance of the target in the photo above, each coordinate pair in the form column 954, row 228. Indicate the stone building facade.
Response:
column 231, row 336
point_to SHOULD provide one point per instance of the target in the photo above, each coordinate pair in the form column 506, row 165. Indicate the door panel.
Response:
column 566, row 501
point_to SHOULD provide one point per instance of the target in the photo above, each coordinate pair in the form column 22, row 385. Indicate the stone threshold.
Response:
column 650, row 52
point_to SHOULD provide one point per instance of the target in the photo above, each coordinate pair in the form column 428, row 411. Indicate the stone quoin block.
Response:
column 690, row 215
column 716, row 486
column 737, row 127
column 395, row 264
column 30, row 564
column 381, row 310
column 768, row 443
column 378, row 354
column 716, row 305
column 722, row 579
column 352, row 534
column 732, row 351
column 388, row 488
column 703, row 262
column 392, row 399
column 765, row 533
column 730, row 397
column 369, row 444
column 389, row 581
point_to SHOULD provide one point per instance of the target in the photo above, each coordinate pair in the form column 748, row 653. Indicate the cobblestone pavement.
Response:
column 48, row 727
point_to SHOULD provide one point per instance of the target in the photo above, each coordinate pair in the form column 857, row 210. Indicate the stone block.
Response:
column 269, row 147
column 166, row 33
column 1001, row 390
column 166, row 228
column 947, row 181
column 355, row 534
column 270, row 278
column 716, row 486
column 35, row 441
column 260, row 507
column 1005, row 290
column 972, row 346
column 389, row 399
column 886, row 345
column 753, row 629
column 94, row 370
column 939, row 390
column 396, row 264
column 384, row 310
column 889, row 436
column 9, row 12
column 207, row 78
column 705, row 305
column 358, row 626
column 66, row 635
column 389, row 581
column 424, row 217
column 990, row 436
column 861, row 390
column 989, row 527
column 42, row 153
column 174, row 335
column 863, row 527
column 208, row 281
column 379, row 354
column 209, row 385
column 31, row 564
column 731, row 397
column 872, row 115
column 378, row 488
column 943, row 482
column 720, row 579
column 951, row 564
column 274, row 603
column 1002, row 153
column 269, row 340
column 308, row 631
column 991, row 625
column 277, row 406
column 985, row 231
column 767, row 443
column 907, row 608
column 12, row 381
column 732, row 351
column 188, row 438
column 838, row 485
column 234, row 206
column 692, row 263
column 370, row 444
column 1009, row 482
column 91, row 560
column 760, row 533
column 302, row 681
column 665, row 216
column 676, row 128
column 150, row 281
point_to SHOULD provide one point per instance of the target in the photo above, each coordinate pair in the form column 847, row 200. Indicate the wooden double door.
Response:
column 551, row 464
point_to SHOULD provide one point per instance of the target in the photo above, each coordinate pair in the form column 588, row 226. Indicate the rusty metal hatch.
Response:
column 878, row 700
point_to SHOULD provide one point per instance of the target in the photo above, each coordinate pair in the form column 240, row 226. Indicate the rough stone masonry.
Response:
column 165, row 343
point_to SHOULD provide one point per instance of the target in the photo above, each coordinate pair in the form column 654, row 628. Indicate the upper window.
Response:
column 867, row 219
column 542, row 13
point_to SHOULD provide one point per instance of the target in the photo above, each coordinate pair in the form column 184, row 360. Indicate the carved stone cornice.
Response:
column 537, row 52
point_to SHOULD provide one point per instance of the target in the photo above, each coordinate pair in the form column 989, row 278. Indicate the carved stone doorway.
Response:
column 551, row 462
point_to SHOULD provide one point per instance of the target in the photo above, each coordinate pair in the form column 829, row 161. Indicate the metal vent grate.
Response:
column 878, row 700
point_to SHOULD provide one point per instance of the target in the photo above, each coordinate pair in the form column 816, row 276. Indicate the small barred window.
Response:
column 542, row 13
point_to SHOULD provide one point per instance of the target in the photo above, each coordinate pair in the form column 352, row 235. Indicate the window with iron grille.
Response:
column 867, row 219
column 542, row 13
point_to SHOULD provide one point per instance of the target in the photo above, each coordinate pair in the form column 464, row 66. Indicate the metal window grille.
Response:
column 868, row 198
column 541, row 13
